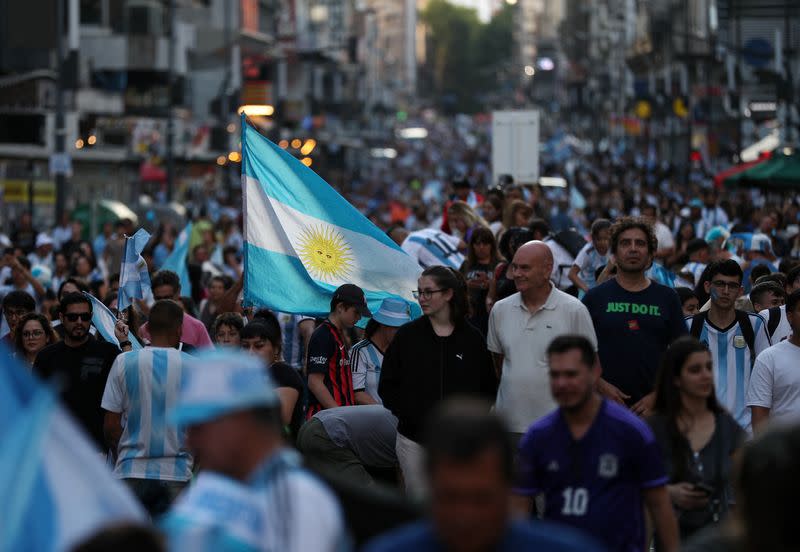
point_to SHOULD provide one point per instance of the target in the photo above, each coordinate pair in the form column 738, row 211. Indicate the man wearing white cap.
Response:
column 760, row 252
column 366, row 356
column 43, row 255
column 252, row 493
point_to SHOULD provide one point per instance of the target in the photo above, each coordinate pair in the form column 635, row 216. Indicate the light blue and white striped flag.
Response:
column 303, row 240
column 104, row 321
column 56, row 489
column 176, row 262
column 134, row 279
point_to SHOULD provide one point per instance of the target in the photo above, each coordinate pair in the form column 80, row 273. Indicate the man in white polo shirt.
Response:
column 774, row 391
column 520, row 329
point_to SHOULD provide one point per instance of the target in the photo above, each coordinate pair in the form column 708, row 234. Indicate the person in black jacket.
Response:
column 435, row 357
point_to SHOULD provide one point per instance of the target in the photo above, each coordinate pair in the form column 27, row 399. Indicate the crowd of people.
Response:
column 597, row 369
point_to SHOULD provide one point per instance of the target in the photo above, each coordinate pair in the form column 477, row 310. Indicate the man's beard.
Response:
column 78, row 333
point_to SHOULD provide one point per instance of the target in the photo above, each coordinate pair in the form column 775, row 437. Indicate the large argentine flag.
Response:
column 55, row 489
column 176, row 261
column 134, row 279
column 303, row 240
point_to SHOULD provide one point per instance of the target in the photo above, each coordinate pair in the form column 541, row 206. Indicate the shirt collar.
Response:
column 549, row 304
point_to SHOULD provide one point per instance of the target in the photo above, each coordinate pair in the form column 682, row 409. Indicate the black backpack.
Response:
column 744, row 323
column 571, row 240
column 774, row 320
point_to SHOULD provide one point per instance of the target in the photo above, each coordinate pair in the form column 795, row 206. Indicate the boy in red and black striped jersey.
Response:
column 330, row 381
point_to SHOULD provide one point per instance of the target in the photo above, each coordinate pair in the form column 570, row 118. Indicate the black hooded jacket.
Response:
column 420, row 369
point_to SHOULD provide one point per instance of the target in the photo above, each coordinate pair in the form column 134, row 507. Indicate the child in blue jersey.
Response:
column 597, row 465
column 699, row 253
column 593, row 255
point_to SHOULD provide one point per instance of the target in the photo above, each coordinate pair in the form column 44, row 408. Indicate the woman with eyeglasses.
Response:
column 34, row 333
column 436, row 356
column 697, row 437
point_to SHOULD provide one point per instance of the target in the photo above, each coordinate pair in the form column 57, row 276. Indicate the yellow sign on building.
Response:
column 16, row 190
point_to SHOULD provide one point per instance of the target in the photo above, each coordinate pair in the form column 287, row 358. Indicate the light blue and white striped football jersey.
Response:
column 143, row 386
column 588, row 261
column 733, row 363
column 294, row 349
column 695, row 269
column 366, row 361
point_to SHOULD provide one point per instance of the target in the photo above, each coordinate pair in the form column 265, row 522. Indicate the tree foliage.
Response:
column 464, row 54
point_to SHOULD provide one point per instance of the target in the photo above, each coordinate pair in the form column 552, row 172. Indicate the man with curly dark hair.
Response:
column 635, row 318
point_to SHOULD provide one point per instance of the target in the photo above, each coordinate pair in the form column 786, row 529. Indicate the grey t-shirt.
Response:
column 370, row 431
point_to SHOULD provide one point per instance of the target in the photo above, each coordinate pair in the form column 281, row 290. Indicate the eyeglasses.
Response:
column 425, row 293
column 164, row 298
column 719, row 284
column 32, row 334
column 73, row 316
column 15, row 313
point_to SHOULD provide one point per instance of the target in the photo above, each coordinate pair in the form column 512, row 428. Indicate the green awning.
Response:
column 108, row 210
column 781, row 171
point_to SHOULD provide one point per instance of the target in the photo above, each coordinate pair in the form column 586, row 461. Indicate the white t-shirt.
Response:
column 783, row 330
column 366, row 361
column 523, row 337
column 775, row 383
column 562, row 263
column 143, row 387
column 664, row 236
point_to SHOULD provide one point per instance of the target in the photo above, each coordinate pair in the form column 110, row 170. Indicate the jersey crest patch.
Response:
column 608, row 466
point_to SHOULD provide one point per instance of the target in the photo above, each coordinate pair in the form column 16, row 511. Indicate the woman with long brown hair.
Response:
column 697, row 436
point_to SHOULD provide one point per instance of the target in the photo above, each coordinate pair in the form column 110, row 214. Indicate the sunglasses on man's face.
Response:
column 73, row 316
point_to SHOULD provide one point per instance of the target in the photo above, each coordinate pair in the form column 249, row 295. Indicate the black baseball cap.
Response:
column 461, row 181
column 353, row 295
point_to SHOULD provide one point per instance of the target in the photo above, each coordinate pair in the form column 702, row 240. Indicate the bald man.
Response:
column 520, row 329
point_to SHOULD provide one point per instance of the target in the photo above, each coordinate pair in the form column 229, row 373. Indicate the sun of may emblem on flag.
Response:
column 324, row 252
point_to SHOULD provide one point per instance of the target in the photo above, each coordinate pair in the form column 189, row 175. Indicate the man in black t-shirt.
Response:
column 330, row 381
column 79, row 365
column 635, row 318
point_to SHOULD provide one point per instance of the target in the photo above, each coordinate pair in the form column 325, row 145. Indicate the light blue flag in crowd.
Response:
column 303, row 239
column 134, row 279
column 56, row 489
column 662, row 275
column 176, row 262
column 104, row 321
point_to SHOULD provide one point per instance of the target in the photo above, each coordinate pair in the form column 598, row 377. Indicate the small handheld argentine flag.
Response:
column 134, row 279
column 104, row 320
column 176, row 261
column 303, row 240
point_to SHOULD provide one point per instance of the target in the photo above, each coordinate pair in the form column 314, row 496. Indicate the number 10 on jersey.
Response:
column 576, row 501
